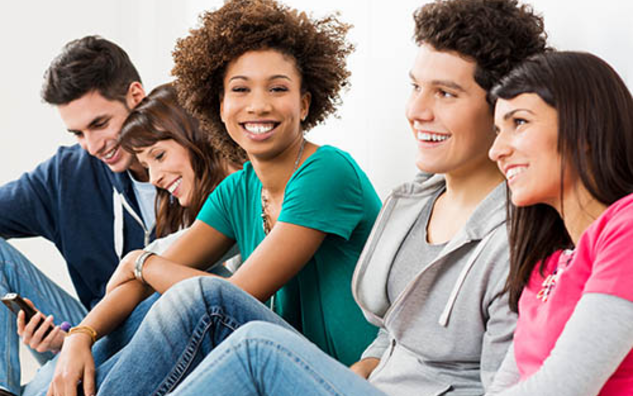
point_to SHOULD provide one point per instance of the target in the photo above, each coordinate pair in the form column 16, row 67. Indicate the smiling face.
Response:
column 262, row 105
column 169, row 165
column 526, row 150
column 96, row 123
column 448, row 113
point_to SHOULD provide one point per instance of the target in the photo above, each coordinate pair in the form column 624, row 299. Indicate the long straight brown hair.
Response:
column 595, row 137
column 160, row 117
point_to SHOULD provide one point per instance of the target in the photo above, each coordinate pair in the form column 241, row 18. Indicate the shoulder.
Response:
column 235, row 180
column 422, row 184
column 331, row 164
column 615, row 222
column 334, row 168
column 234, row 188
column 72, row 165
column 74, row 155
column 620, row 212
column 331, row 158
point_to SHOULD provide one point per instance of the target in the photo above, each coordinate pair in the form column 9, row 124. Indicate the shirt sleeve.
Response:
column 612, row 267
column 28, row 204
column 378, row 347
column 325, row 195
column 595, row 341
column 216, row 211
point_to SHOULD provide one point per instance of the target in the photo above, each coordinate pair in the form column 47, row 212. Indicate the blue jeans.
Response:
column 266, row 359
column 182, row 328
column 19, row 275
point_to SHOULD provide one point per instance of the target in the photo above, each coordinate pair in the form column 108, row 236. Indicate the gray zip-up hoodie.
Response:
column 449, row 329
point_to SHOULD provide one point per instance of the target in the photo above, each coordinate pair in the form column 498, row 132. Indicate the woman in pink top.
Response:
column 565, row 144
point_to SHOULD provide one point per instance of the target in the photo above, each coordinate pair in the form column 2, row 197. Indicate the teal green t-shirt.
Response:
column 329, row 193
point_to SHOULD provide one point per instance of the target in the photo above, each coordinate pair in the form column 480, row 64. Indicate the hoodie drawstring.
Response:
column 443, row 321
column 118, row 224
column 120, row 203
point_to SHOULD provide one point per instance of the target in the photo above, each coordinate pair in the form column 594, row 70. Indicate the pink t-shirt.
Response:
column 601, row 263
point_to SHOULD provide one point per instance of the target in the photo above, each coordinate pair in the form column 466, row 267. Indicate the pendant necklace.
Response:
column 265, row 217
column 551, row 280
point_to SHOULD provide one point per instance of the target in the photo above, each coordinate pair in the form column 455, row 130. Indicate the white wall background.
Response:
column 371, row 125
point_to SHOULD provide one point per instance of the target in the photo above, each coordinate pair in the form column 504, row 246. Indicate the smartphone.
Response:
column 15, row 303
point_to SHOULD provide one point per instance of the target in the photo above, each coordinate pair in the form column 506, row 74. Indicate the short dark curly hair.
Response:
column 318, row 46
column 496, row 34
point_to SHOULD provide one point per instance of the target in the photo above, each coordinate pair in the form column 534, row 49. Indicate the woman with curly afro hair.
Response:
column 258, row 75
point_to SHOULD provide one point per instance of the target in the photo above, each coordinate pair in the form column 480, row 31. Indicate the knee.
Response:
column 195, row 288
column 192, row 291
column 262, row 331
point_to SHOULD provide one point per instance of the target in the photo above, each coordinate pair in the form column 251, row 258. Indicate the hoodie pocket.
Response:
column 400, row 373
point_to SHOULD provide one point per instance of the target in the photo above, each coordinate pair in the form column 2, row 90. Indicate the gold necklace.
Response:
column 264, row 198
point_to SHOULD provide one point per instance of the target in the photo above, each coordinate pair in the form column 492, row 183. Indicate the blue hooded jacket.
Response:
column 89, row 212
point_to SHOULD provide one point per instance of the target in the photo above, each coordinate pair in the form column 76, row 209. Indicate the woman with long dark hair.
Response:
column 565, row 145
column 179, row 157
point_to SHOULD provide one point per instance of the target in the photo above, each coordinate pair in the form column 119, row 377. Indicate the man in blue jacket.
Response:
column 92, row 200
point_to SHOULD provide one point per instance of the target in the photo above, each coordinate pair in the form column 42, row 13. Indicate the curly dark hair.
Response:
column 496, row 34
column 318, row 46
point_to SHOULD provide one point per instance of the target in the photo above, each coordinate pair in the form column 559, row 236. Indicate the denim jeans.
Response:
column 19, row 275
column 266, row 359
column 182, row 328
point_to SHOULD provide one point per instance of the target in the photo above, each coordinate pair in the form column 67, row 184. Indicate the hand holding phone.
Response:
column 15, row 303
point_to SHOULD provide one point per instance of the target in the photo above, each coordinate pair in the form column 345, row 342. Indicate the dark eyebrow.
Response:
column 275, row 77
column 511, row 113
column 449, row 84
column 97, row 120
column 445, row 83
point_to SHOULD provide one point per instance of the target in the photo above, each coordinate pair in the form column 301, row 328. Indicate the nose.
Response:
column 92, row 144
column 259, row 102
column 155, row 176
column 419, row 107
column 500, row 147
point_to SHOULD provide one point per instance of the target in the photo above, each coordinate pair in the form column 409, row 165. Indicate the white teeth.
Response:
column 110, row 154
column 259, row 128
column 173, row 186
column 426, row 136
column 515, row 171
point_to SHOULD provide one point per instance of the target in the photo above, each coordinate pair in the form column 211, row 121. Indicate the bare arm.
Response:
column 276, row 260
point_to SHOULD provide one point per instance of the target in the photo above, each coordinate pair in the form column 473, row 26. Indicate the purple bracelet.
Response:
column 65, row 326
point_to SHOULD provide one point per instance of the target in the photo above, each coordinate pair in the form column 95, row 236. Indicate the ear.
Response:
column 135, row 93
column 306, row 99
